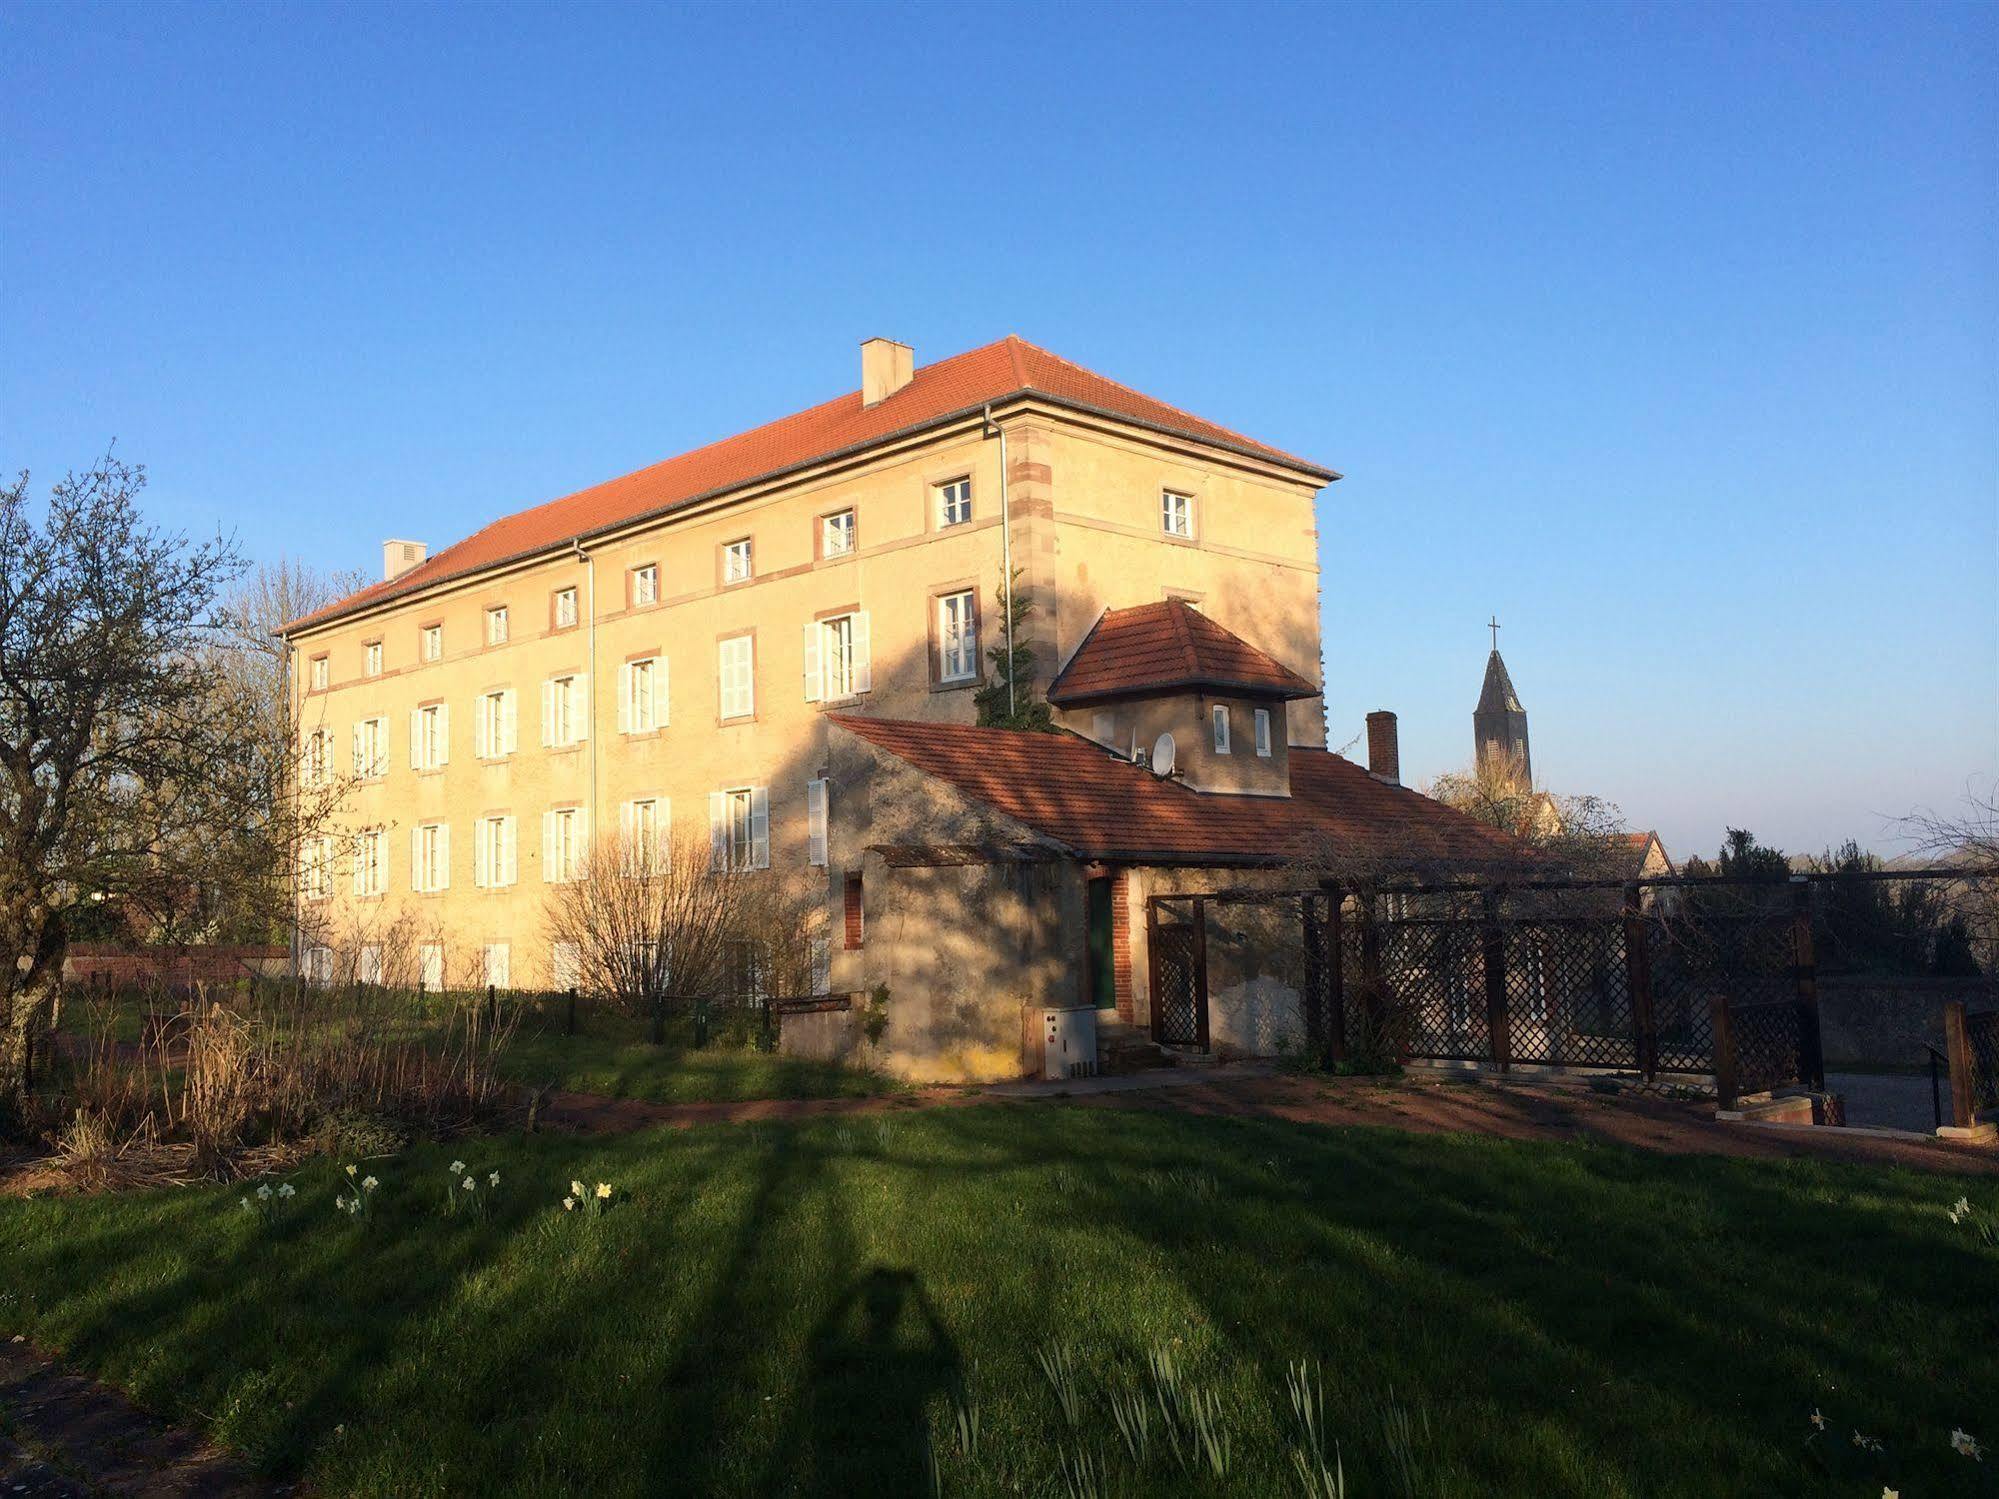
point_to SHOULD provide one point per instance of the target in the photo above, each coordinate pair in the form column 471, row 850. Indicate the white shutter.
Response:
column 481, row 875
column 548, row 712
column 659, row 694
column 507, row 871
column 548, row 870
column 718, row 831
column 360, row 865
column 864, row 670
column 507, row 740
column 759, row 828
column 416, row 737
column 416, row 858
column 444, row 855
column 665, row 830
column 625, row 698
column 815, row 824
column 581, row 714
column 812, row 677
column 444, row 733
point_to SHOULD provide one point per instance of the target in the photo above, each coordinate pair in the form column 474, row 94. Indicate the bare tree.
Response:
column 1966, row 839
column 1579, row 836
column 112, row 762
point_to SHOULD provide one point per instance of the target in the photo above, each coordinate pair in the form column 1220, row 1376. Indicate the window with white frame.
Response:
column 1176, row 514
column 371, row 658
column 736, row 561
column 954, row 502
column 495, row 726
column 1219, row 716
column 430, row 857
column 815, row 823
column 320, row 672
column 371, row 862
column 642, row 695
column 430, row 966
column 496, row 963
column 493, row 850
column 645, row 585
column 565, row 965
column 565, row 715
column 319, row 965
column 646, row 825
column 563, row 844
column 736, row 676
column 368, row 965
column 836, row 533
column 565, row 608
column 496, row 625
column 739, row 829
column 371, row 748
column 837, row 658
column 433, row 642
column 318, row 761
column 316, row 875
column 1263, row 732
column 958, row 636
column 430, row 736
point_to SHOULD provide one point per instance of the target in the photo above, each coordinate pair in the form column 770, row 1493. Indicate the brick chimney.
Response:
column 398, row 557
column 885, row 368
column 1384, row 748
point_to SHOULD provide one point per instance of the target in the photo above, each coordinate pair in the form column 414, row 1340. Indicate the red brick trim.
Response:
column 1121, row 945
column 854, row 911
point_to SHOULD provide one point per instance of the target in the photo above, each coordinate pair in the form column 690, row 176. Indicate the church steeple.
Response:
column 1499, row 723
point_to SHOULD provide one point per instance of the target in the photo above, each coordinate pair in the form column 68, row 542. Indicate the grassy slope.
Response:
column 782, row 1308
column 614, row 1056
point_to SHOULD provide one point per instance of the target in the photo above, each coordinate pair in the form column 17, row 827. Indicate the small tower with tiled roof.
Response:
column 1499, row 723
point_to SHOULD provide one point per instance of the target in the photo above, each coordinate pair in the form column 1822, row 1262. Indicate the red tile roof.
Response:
column 1102, row 806
column 1170, row 644
column 947, row 390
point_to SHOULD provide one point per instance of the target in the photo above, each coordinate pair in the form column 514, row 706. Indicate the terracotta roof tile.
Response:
column 1102, row 806
column 1170, row 644
column 936, row 393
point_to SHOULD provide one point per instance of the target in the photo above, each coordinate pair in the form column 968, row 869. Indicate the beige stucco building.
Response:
column 690, row 647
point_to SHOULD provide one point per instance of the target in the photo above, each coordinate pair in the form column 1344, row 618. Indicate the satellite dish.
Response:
column 1162, row 755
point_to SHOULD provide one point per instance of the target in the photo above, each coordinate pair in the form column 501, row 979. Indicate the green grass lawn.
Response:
column 780, row 1309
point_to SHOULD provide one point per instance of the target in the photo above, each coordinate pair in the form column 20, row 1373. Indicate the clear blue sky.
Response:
column 1666, row 332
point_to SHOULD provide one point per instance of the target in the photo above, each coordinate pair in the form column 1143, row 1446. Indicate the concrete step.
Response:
column 1126, row 1048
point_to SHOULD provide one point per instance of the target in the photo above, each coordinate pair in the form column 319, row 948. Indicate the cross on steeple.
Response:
column 1493, row 625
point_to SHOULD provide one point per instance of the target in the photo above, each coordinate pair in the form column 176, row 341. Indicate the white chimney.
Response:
column 885, row 368
column 398, row 557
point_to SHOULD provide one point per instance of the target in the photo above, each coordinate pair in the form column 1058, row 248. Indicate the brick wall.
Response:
column 109, row 963
column 1121, row 944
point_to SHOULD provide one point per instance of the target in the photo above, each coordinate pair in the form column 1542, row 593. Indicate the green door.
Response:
column 1103, row 982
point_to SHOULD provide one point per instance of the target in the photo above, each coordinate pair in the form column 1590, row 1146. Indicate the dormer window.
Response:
column 1219, row 716
column 1263, row 732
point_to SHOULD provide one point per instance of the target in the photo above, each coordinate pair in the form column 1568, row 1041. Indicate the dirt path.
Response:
column 66, row 1437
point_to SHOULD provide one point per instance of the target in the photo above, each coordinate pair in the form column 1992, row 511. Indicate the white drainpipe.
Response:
column 1006, row 553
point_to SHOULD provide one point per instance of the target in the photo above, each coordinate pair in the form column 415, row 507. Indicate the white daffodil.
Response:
column 576, row 1189
column 339, row 1204
column 1966, row 1445
column 1888, row 1493
column 468, row 1184
column 264, row 1192
column 352, row 1169
column 1959, row 1209
column 368, row 1184
column 493, row 1180
column 287, row 1190
column 568, row 1204
column 603, row 1189
column 1866, row 1443
column 246, row 1202
column 457, row 1168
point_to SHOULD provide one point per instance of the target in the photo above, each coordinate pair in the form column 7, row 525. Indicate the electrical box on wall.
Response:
column 1069, row 1043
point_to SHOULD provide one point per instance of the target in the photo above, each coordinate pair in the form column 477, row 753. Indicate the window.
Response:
column 496, row 963
column 371, row 748
column 371, row 862
column 368, row 965
column 645, row 585
column 496, row 625
column 430, row 966
column 319, row 673
column 815, row 824
column 565, row 608
column 316, row 878
column 836, row 534
column 1263, row 732
column 736, row 673
column 851, row 900
column 745, row 961
column 319, row 965
column 642, row 696
column 433, row 642
column 739, row 829
column 565, row 716
column 430, row 736
column 736, row 561
column 493, row 852
column 563, row 835
column 565, row 965
column 495, row 727
column 1176, row 514
column 958, row 637
column 1219, row 714
column 954, row 502
column 646, row 823
column 430, row 857
column 837, row 663
column 317, row 766
column 371, row 658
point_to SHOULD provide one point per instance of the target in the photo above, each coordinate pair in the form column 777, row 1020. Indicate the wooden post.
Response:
column 1336, row 974
column 569, row 1023
column 658, row 1017
column 1492, row 941
column 1638, row 980
column 1724, row 1053
column 1957, row 1045
column 492, row 1009
column 1811, row 1059
column 1201, row 972
column 1152, row 962
column 1371, row 992
column 1315, row 977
